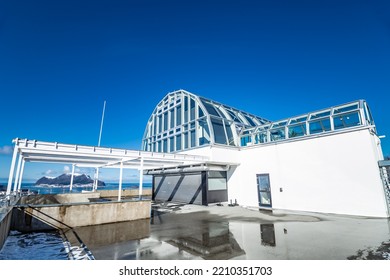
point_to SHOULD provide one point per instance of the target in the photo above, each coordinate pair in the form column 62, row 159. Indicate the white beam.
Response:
column 11, row 172
column 21, row 175
column 17, row 173
column 71, row 178
column 141, row 177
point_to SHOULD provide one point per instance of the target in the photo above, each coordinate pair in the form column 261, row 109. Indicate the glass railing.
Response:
column 336, row 118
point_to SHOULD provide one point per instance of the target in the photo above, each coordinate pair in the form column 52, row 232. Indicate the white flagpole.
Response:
column 95, row 185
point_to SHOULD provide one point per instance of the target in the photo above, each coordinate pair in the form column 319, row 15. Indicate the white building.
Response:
column 324, row 161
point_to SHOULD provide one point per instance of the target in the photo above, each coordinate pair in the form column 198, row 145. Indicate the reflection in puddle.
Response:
column 202, row 235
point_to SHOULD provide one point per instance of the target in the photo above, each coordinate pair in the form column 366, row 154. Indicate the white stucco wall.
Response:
column 336, row 173
column 333, row 174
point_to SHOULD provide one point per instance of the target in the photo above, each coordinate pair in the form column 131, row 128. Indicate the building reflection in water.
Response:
column 267, row 233
column 215, row 242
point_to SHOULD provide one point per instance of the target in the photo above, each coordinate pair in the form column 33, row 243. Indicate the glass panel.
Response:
column 251, row 122
column 210, row 109
column 297, row 120
column 219, row 132
column 154, row 125
column 263, row 182
column 346, row 120
column 165, row 121
column 185, row 135
column 171, row 144
column 204, row 134
column 297, row 130
column 178, row 115
column 217, row 184
column 165, row 146
column 185, row 109
column 229, row 134
column 265, row 198
column 192, row 109
column 216, row 174
column 193, row 138
column 320, row 115
column 345, row 109
column 159, row 123
column 178, row 142
column 245, row 140
column 201, row 113
column 278, row 134
column 261, row 138
column 319, row 126
column 172, row 118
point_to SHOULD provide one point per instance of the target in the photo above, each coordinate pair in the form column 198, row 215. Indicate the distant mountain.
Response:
column 64, row 180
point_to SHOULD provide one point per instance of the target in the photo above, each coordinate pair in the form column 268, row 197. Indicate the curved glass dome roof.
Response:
column 183, row 120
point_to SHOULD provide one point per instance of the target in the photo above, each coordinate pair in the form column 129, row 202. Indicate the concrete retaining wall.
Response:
column 80, row 214
column 134, row 192
column 5, row 224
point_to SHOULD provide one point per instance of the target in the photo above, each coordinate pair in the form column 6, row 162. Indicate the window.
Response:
column 178, row 142
column 192, row 109
column 178, row 115
column 219, row 131
column 204, row 134
column 172, row 118
column 185, row 135
column 171, row 144
column 319, row 126
column 346, row 120
column 165, row 121
column 278, row 134
column 193, row 138
column 297, row 130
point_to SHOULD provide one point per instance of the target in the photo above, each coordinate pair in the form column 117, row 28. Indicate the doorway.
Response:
column 264, row 190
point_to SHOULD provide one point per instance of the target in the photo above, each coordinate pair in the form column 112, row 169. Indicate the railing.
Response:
column 384, row 167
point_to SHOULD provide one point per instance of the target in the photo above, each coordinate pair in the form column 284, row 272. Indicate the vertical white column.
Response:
column 11, row 172
column 141, row 177
column 95, row 183
column 71, row 178
column 120, row 182
column 21, row 175
column 17, row 173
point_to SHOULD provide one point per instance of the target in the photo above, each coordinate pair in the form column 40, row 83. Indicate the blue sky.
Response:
column 59, row 60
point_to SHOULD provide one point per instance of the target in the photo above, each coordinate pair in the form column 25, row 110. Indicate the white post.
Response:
column 21, row 175
column 120, row 182
column 95, row 183
column 141, row 177
column 11, row 172
column 17, row 173
column 71, row 178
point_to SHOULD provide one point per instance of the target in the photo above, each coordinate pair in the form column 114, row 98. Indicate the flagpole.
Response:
column 100, row 137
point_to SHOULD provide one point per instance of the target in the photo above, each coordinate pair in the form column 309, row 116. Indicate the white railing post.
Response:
column 141, row 177
column 120, row 182
column 71, row 178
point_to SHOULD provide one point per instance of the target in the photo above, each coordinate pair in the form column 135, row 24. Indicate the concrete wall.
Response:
column 124, row 193
column 80, row 214
column 333, row 174
column 5, row 224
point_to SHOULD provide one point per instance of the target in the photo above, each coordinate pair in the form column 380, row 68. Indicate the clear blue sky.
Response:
column 59, row 60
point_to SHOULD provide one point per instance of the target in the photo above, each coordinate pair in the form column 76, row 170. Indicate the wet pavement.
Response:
column 178, row 232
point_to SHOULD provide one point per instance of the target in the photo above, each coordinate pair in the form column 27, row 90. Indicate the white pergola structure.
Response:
column 89, row 156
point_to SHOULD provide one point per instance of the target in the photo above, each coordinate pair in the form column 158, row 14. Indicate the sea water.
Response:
column 46, row 245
